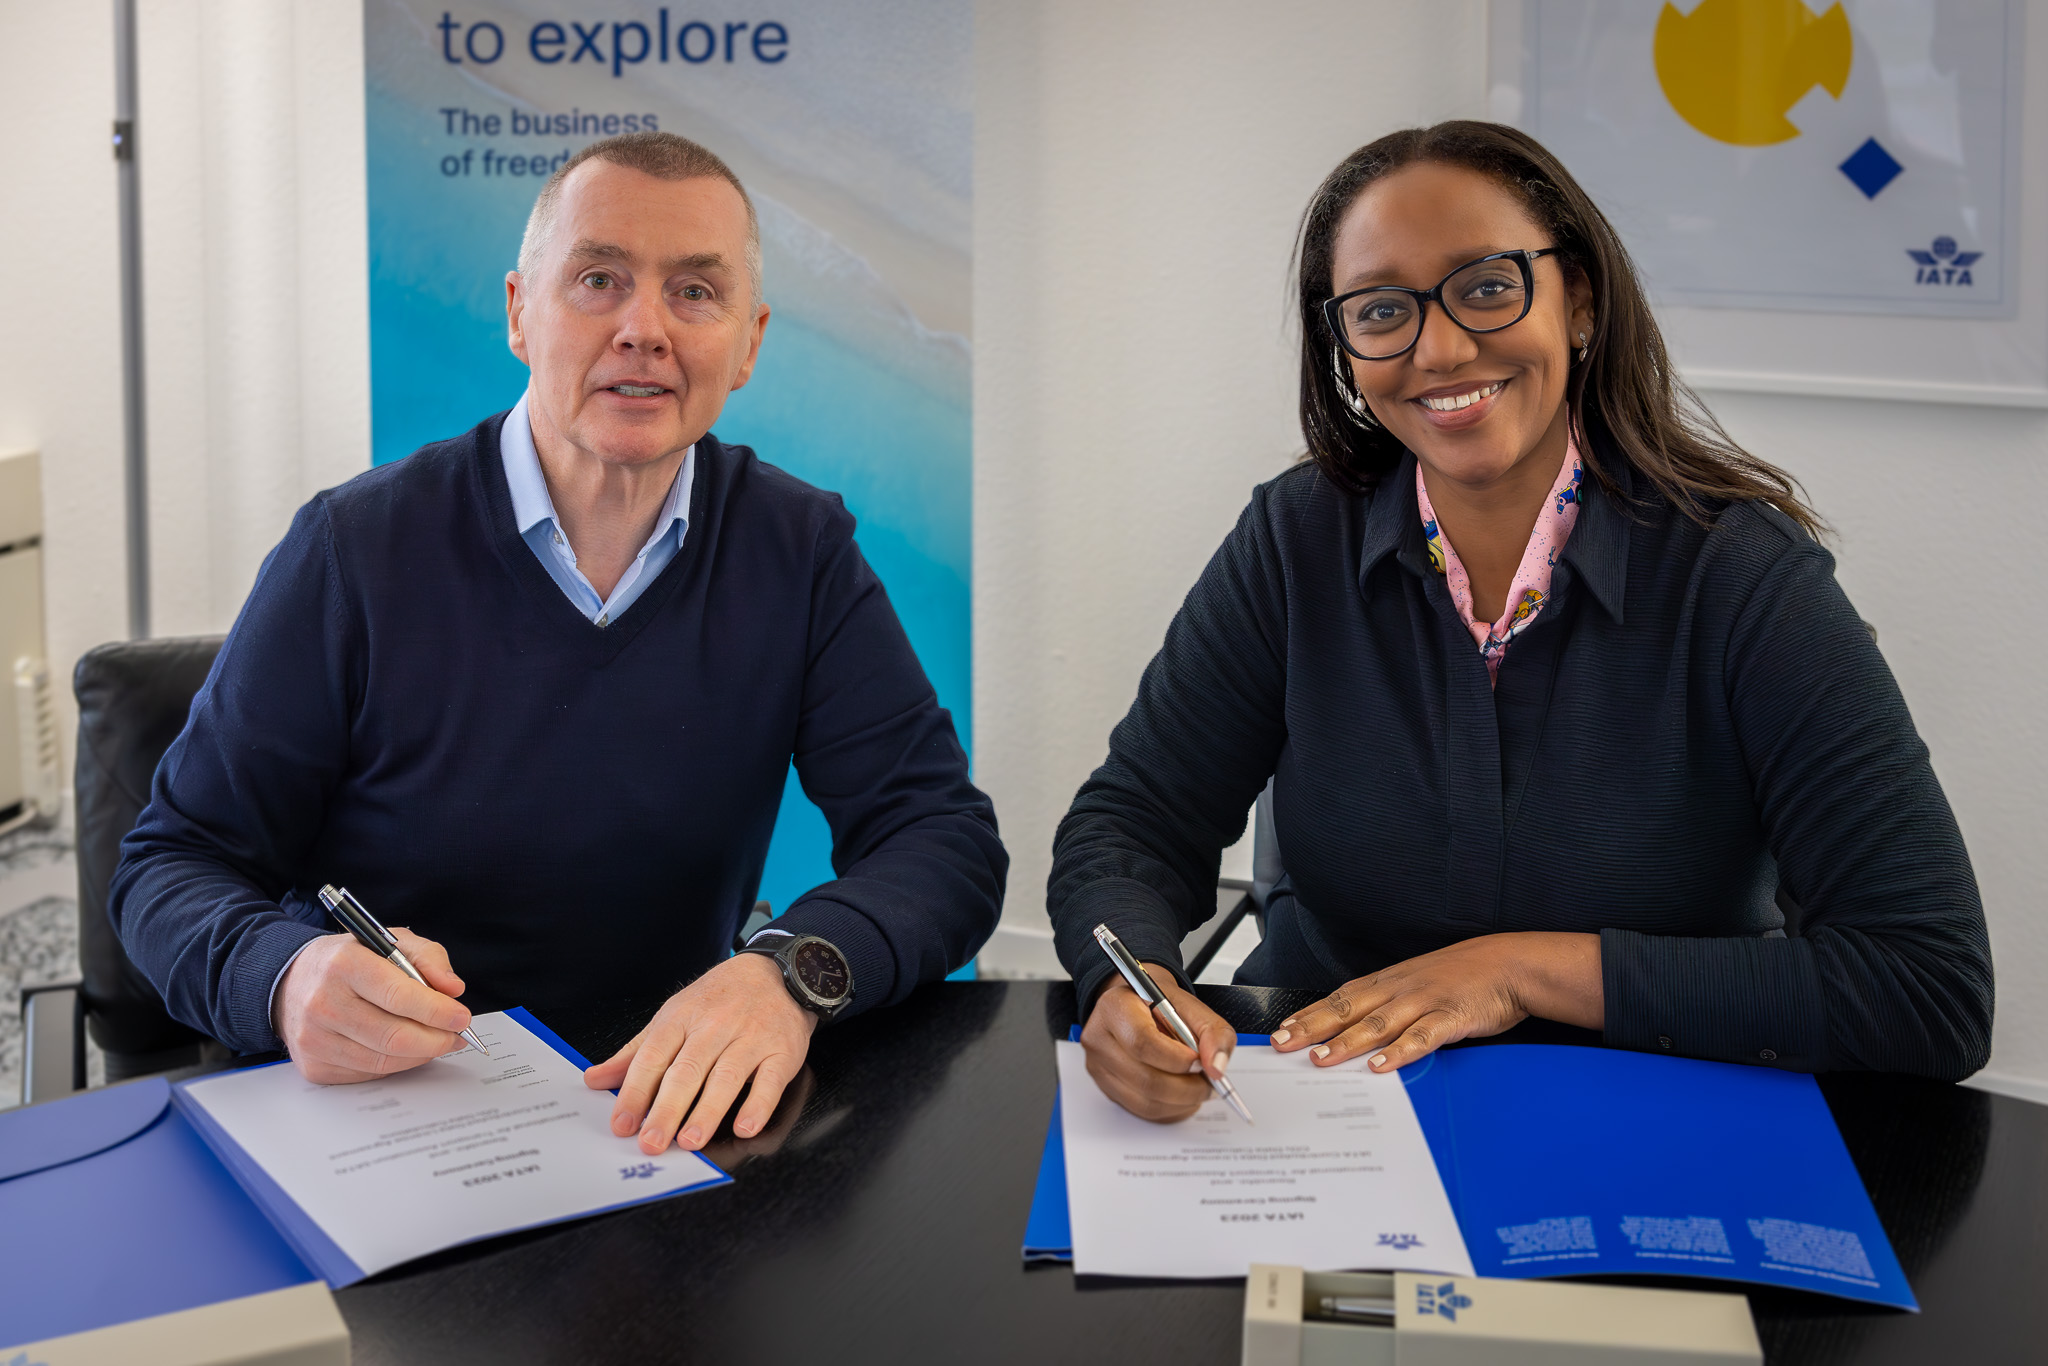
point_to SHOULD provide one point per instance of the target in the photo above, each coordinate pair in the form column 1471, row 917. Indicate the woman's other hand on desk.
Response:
column 1467, row 990
column 347, row 1015
column 1138, row 1062
column 737, row 1023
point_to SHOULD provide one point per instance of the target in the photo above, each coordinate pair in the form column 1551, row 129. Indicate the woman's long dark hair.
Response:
column 1624, row 392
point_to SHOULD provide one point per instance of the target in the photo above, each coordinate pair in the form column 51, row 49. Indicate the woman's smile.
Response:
column 1453, row 408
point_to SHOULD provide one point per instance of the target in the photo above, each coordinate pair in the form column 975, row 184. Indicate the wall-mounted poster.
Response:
column 851, row 127
column 1765, row 158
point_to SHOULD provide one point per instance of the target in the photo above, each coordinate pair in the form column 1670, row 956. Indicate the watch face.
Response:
column 821, row 969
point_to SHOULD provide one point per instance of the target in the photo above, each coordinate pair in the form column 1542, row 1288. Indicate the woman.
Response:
column 1554, row 683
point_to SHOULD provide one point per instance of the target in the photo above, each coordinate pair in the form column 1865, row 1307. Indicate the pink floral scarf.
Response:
column 1530, row 591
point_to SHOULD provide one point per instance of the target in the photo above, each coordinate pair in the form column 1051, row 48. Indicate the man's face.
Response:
column 640, row 317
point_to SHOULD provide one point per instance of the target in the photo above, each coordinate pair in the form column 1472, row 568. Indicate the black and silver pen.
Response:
column 358, row 921
column 1155, row 1001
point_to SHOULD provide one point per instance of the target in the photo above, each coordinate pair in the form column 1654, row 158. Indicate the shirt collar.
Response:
column 1597, row 550
column 1392, row 521
column 532, row 505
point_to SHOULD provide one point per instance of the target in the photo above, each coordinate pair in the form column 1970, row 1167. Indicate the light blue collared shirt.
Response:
column 534, row 513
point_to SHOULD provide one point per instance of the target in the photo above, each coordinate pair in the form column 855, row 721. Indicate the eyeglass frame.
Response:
column 1333, row 317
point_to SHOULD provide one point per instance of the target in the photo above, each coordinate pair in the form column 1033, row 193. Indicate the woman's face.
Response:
column 1414, row 227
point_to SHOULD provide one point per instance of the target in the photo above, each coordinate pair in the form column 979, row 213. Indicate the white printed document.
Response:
column 362, row 1177
column 1335, row 1175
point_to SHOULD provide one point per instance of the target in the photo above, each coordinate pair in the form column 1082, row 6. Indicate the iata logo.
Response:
column 1443, row 1301
column 1400, row 1242
column 1942, row 264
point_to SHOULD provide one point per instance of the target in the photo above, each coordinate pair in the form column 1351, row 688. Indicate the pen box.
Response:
column 1476, row 1321
column 298, row 1326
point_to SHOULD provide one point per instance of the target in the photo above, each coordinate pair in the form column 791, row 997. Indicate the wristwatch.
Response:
column 815, row 972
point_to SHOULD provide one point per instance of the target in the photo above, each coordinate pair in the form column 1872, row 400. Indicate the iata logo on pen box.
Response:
column 1442, row 1300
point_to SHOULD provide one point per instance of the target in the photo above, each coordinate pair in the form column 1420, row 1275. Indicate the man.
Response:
column 534, row 691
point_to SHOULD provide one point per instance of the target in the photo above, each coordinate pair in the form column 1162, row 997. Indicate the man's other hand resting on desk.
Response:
column 735, row 1022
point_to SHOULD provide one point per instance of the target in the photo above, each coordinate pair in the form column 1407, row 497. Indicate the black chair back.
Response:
column 133, row 698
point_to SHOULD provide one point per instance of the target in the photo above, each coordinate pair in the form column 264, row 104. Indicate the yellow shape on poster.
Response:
column 1733, row 68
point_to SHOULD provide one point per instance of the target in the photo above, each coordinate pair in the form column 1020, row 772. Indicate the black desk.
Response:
column 880, row 1220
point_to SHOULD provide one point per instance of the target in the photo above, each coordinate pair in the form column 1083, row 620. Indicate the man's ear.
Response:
column 746, row 370
column 515, row 310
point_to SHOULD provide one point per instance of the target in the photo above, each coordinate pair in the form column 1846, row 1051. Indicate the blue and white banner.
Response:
column 1859, row 157
column 852, row 128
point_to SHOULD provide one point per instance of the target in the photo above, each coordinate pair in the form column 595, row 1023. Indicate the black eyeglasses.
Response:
column 1480, row 296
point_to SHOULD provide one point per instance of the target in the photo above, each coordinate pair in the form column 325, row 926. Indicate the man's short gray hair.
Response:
column 665, row 156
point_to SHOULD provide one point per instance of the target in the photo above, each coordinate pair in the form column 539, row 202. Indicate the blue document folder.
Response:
column 1564, row 1161
column 306, row 1236
column 112, row 1209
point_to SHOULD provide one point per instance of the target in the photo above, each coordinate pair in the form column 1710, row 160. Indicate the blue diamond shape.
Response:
column 1870, row 168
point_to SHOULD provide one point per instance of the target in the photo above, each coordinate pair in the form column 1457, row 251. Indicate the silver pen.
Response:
column 1155, row 1000
column 356, row 918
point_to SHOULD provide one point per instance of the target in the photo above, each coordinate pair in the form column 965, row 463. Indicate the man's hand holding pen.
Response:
column 345, row 1014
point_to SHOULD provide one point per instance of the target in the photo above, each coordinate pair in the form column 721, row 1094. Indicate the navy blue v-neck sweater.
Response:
column 410, row 707
column 1697, row 719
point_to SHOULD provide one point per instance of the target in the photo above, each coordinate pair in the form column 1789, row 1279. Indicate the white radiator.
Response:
column 28, row 717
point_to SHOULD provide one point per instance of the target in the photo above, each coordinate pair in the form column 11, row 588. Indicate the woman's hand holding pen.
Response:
column 1138, row 1062
column 346, row 1014
column 1466, row 990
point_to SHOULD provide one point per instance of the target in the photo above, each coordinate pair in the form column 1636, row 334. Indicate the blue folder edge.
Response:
column 306, row 1237
column 121, row 1157
column 1537, row 1195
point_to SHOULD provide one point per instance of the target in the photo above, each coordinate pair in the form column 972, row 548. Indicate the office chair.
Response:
column 133, row 698
column 1237, row 898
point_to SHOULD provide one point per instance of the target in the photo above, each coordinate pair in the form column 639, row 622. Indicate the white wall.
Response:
column 1140, row 167
column 60, row 334
column 256, row 302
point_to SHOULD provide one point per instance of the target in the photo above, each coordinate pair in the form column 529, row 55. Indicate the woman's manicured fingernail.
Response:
column 1287, row 1023
column 1281, row 1036
column 1195, row 1066
column 1379, row 1060
column 1321, row 1050
column 1222, row 1061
